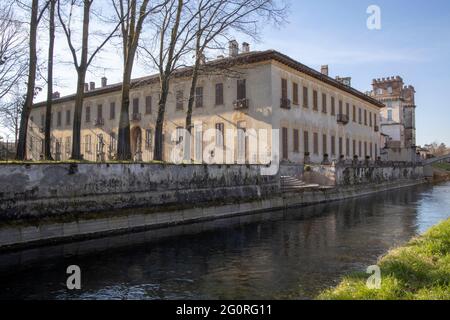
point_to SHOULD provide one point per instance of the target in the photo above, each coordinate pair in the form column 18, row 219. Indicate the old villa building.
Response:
column 249, row 91
column 398, row 118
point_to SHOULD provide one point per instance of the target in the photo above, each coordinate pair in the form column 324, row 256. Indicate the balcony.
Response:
column 100, row 122
column 285, row 103
column 241, row 104
column 376, row 128
column 136, row 117
column 342, row 118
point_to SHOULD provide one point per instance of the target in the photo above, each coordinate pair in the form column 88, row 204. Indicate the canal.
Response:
column 292, row 254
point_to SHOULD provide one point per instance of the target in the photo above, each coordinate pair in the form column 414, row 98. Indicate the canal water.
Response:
column 291, row 254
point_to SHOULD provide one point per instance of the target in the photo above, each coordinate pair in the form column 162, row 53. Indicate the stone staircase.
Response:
column 292, row 184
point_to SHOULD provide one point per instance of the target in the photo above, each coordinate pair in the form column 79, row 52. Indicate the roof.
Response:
column 241, row 59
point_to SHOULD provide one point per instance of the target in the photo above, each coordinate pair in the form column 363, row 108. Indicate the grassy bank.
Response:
column 418, row 270
column 442, row 166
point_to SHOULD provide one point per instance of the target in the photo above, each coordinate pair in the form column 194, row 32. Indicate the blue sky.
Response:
column 413, row 42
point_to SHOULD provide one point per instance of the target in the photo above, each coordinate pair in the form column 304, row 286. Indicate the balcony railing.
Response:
column 136, row 117
column 241, row 104
column 376, row 128
column 342, row 118
column 285, row 103
column 100, row 122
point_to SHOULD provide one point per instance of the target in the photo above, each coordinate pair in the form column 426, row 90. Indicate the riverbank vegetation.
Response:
column 442, row 166
column 420, row 270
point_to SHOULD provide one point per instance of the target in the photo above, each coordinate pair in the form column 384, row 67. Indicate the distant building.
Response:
column 316, row 115
column 398, row 118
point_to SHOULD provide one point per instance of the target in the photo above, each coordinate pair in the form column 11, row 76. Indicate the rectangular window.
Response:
column 354, row 113
column 370, row 119
column 219, row 94
column 199, row 97
column 354, row 147
column 333, row 106
column 112, row 142
column 67, row 145
column 179, row 135
column 305, row 97
column 371, row 150
column 87, row 144
column 340, row 107
column 376, row 150
column 88, row 114
column 306, row 141
column 365, row 149
column 68, row 117
column 284, row 89
column 359, row 116
column 333, row 145
column 324, row 144
column 316, row 143
column 341, row 150
column 365, row 117
column 324, row 103
column 315, row 101
column 347, row 147
column 220, row 134
column 112, row 110
column 59, row 118
column 241, row 89
column 148, row 139
column 389, row 115
column 135, row 105
column 295, row 93
column 360, row 148
column 347, row 110
column 99, row 112
column 148, row 104
column 374, row 119
column 284, row 134
column 296, row 141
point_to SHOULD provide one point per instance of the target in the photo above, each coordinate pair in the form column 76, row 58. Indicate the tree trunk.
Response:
column 81, row 70
column 76, row 132
column 48, row 111
column 188, row 125
column 22, row 144
column 123, row 142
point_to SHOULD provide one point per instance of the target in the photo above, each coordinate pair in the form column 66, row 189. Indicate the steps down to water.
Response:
column 292, row 184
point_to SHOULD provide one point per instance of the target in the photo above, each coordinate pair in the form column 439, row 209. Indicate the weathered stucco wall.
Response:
column 40, row 190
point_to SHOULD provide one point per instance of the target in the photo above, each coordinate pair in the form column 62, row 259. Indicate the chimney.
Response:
column 56, row 95
column 324, row 70
column 245, row 47
column 234, row 48
column 91, row 86
column 104, row 82
column 86, row 87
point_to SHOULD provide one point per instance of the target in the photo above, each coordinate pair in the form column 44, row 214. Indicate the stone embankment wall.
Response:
column 48, row 189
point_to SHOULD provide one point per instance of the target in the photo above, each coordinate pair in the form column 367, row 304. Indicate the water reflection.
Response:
column 285, row 254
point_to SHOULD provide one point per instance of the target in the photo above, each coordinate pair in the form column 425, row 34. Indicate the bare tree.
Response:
column 131, row 28
column 174, row 33
column 48, row 110
column 34, row 21
column 81, row 64
column 13, row 64
column 11, row 110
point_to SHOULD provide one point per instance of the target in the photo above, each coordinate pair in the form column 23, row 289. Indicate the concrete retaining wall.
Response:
column 36, row 191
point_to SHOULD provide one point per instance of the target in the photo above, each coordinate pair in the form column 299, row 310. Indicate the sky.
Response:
column 413, row 42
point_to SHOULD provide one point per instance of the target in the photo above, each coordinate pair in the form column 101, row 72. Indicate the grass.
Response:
column 443, row 166
column 420, row 270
